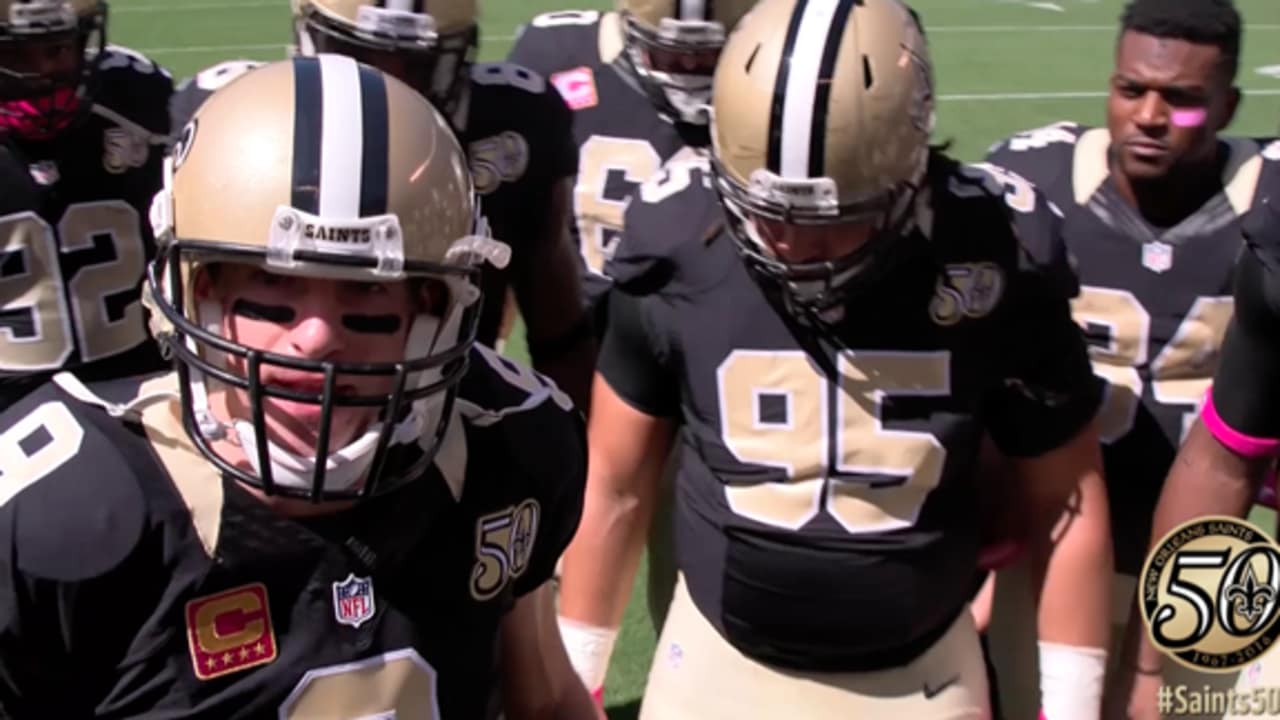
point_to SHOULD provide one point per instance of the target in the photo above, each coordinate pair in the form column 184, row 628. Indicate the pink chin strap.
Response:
column 41, row 117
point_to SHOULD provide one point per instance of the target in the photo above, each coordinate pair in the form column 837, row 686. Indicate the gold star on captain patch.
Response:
column 211, row 662
column 244, row 653
column 260, row 648
column 227, row 658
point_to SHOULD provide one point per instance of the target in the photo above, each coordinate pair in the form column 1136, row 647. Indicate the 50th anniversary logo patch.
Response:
column 1209, row 593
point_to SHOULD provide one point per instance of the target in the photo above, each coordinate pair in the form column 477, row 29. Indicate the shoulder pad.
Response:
column 501, row 392
column 1271, row 149
column 496, row 387
column 70, row 495
column 1059, row 133
column 1045, row 156
column 670, row 225
column 193, row 91
column 1261, row 229
column 559, row 40
column 985, row 195
column 133, row 89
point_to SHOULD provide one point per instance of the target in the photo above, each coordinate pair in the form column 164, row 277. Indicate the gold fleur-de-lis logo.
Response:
column 1249, row 598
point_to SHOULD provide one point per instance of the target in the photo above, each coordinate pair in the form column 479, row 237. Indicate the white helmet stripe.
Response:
column 342, row 135
column 692, row 10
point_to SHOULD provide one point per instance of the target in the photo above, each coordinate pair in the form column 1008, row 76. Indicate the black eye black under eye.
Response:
column 282, row 314
column 267, row 313
column 372, row 324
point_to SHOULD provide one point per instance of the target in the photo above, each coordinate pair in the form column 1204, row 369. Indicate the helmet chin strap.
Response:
column 347, row 466
column 688, row 95
column 690, row 103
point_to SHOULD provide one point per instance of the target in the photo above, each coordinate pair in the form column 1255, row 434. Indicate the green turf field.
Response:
column 1002, row 66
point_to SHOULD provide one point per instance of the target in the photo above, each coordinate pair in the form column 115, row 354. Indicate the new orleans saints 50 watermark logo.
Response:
column 1210, row 591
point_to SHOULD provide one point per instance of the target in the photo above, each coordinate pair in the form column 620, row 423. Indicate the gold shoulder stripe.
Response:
column 197, row 480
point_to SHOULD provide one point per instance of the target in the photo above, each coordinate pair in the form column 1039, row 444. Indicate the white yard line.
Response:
column 995, row 29
column 174, row 7
column 208, row 49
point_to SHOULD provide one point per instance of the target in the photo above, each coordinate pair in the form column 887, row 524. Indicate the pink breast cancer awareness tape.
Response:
column 1191, row 118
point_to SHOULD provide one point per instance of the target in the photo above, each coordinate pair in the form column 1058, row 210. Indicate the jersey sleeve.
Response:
column 72, row 529
column 193, row 91
column 1241, row 410
column 635, row 360
column 1042, row 155
column 556, row 41
column 558, row 464
column 665, row 252
column 137, row 89
column 668, row 224
column 554, row 150
column 1048, row 391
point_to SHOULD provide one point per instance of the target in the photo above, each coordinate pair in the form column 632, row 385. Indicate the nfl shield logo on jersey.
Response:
column 1157, row 256
column 353, row 600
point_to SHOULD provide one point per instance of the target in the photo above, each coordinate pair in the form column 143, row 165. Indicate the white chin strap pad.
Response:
column 345, row 467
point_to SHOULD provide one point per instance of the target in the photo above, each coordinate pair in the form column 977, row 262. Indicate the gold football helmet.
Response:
column 822, row 114
column 36, row 105
column 673, row 46
column 434, row 41
column 320, row 167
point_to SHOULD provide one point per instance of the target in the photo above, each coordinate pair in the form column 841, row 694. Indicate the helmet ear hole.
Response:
column 867, row 79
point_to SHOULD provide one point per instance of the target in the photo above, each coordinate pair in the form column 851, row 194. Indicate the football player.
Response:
column 337, row 503
column 1230, row 450
column 83, row 127
column 1152, row 207
column 638, row 80
column 519, row 142
column 836, row 311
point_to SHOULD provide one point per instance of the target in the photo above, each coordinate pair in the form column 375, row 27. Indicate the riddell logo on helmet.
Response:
column 312, row 231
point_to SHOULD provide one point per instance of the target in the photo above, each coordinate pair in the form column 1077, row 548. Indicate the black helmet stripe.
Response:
column 374, row 164
column 307, row 130
column 404, row 5
column 350, row 132
column 692, row 9
column 801, row 93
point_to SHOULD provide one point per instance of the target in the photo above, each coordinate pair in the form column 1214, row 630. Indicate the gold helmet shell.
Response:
column 822, row 114
column 673, row 45
column 435, row 39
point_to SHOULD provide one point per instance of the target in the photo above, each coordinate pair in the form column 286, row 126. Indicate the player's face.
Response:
column 800, row 244
column 55, row 57
column 1168, row 100
column 682, row 62
column 415, row 69
column 311, row 319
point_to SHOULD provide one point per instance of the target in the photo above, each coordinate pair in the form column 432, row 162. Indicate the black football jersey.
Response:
column 518, row 136
column 74, row 222
column 621, row 137
column 1242, row 411
column 826, row 504
column 1154, row 304
column 135, row 581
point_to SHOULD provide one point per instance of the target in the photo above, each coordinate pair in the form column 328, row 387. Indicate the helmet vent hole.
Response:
column 752, row 59
column 867, row 79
